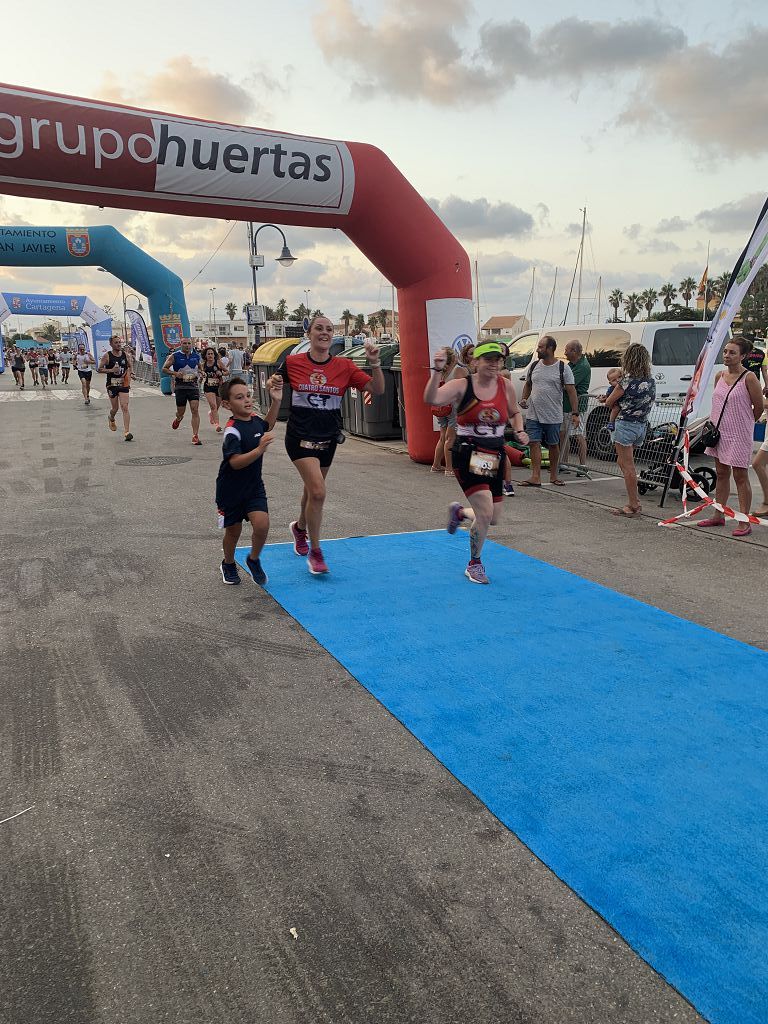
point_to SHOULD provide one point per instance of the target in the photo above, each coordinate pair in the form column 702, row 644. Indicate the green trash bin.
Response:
column 397, row 375
column 375, row 418
column 350, row 418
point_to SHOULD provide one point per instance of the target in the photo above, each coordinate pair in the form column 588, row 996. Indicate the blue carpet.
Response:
column 626, row 747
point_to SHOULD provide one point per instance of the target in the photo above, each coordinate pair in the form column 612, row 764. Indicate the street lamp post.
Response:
column 285, row 259
column 213, row 309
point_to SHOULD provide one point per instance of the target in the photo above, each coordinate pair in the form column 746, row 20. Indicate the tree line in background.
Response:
column 381, row 319
column 754, row 308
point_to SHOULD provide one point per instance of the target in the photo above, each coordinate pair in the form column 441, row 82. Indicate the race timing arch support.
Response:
column 84, row 151
column 22, row 246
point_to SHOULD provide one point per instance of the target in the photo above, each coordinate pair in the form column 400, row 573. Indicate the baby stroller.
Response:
column 660, row 448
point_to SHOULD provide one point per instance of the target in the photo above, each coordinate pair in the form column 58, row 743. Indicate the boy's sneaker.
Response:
column 316, row 562
column 508, row 490
column 476, row 573
column 196, row 439
column 455, row 516
column 230, row 572
column 254, row 568
column 300, row 542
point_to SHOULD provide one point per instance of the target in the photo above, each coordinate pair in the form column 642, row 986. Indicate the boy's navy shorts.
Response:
column 231, row 514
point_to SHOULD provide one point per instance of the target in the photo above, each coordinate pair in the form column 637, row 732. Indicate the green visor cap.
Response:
column 489, row 348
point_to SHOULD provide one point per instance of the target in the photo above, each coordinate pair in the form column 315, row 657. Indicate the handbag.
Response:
column 710, row 434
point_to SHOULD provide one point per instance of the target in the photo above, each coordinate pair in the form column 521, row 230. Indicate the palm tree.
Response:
column 346, row 316
column 230, row 309
column 632, row 305
column 281, row 310
column 373, row 323
column 359, row 323
column 719, row 286
column 687, row 288
column 615, row 299
column 668, row 294
column 648, row 300
column 383, row 316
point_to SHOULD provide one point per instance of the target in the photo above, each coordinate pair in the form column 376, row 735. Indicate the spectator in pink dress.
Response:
column 739, row 398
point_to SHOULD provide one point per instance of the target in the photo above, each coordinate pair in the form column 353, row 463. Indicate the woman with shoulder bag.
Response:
column 737, row 404
column 446, row 419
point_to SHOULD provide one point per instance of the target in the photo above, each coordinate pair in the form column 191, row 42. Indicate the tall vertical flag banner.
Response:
column 703, row 281
column 139, row 335
column 751, row 260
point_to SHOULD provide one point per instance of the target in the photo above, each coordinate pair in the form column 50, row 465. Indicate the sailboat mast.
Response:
column 554, row 292
column 533, row 290
column 477, row 300
column 599, row 296
column 581, row 265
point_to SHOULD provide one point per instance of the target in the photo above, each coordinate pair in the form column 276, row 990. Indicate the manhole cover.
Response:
column 155, row 460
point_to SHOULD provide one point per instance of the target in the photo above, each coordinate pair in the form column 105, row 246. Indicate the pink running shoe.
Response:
column 316, row 562
column 476, row 573
column 455, row 516
column 300, row 543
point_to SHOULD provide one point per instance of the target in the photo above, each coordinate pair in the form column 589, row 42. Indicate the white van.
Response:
column 674, row 348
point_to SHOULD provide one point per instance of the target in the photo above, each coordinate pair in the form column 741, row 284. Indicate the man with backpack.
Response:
column 548, row 380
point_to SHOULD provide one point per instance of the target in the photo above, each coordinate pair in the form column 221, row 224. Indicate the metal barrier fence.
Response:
column 652, row 458
column 147, row 373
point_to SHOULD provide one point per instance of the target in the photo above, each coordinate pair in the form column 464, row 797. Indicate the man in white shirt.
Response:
column 236, row 360
column 542, row 399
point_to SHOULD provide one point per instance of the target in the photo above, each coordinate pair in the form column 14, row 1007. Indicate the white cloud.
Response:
column 183, row 86
column 480, row 218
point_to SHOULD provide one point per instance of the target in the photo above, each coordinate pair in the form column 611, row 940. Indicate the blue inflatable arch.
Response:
column 106, row 247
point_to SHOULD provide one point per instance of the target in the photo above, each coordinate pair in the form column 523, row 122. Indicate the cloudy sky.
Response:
column 508, row 119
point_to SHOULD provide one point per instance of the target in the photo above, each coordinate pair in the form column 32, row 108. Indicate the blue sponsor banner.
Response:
column 139, row 335
column 44, row 305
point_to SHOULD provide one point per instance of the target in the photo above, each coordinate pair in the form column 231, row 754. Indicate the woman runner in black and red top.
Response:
column 318, row 381
column 486, row 402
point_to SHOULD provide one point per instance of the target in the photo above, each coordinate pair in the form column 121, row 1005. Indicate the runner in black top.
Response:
column 118, row 366
column 18, row 366
column 34, row 362
column 212, row 381
column 318, row 382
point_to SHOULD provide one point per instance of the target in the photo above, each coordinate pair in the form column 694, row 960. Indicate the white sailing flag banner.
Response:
column 4, row 310
column 747, row 266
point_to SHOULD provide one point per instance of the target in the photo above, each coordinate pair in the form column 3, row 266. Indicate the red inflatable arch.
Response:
column 83, row 151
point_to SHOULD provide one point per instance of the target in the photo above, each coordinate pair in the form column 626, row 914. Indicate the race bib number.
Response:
column 484, row 463
column 189, row 378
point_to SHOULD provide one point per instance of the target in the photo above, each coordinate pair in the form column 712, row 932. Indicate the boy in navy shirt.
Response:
column 240, row 492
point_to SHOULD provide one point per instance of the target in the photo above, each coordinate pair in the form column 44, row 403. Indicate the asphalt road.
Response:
column 224, row 826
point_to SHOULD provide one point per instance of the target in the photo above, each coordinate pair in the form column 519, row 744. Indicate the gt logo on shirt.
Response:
column 318, row 379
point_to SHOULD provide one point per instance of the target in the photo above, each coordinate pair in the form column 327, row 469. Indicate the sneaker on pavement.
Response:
column 175, row 424
column 509, row 490
column 455, row 516
column 129, row 436
column 300, row 542
column 253, row 566
column 476, row 573
column 229, row 572
column 111, row 422
column 316, row 562
column 196, row 439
